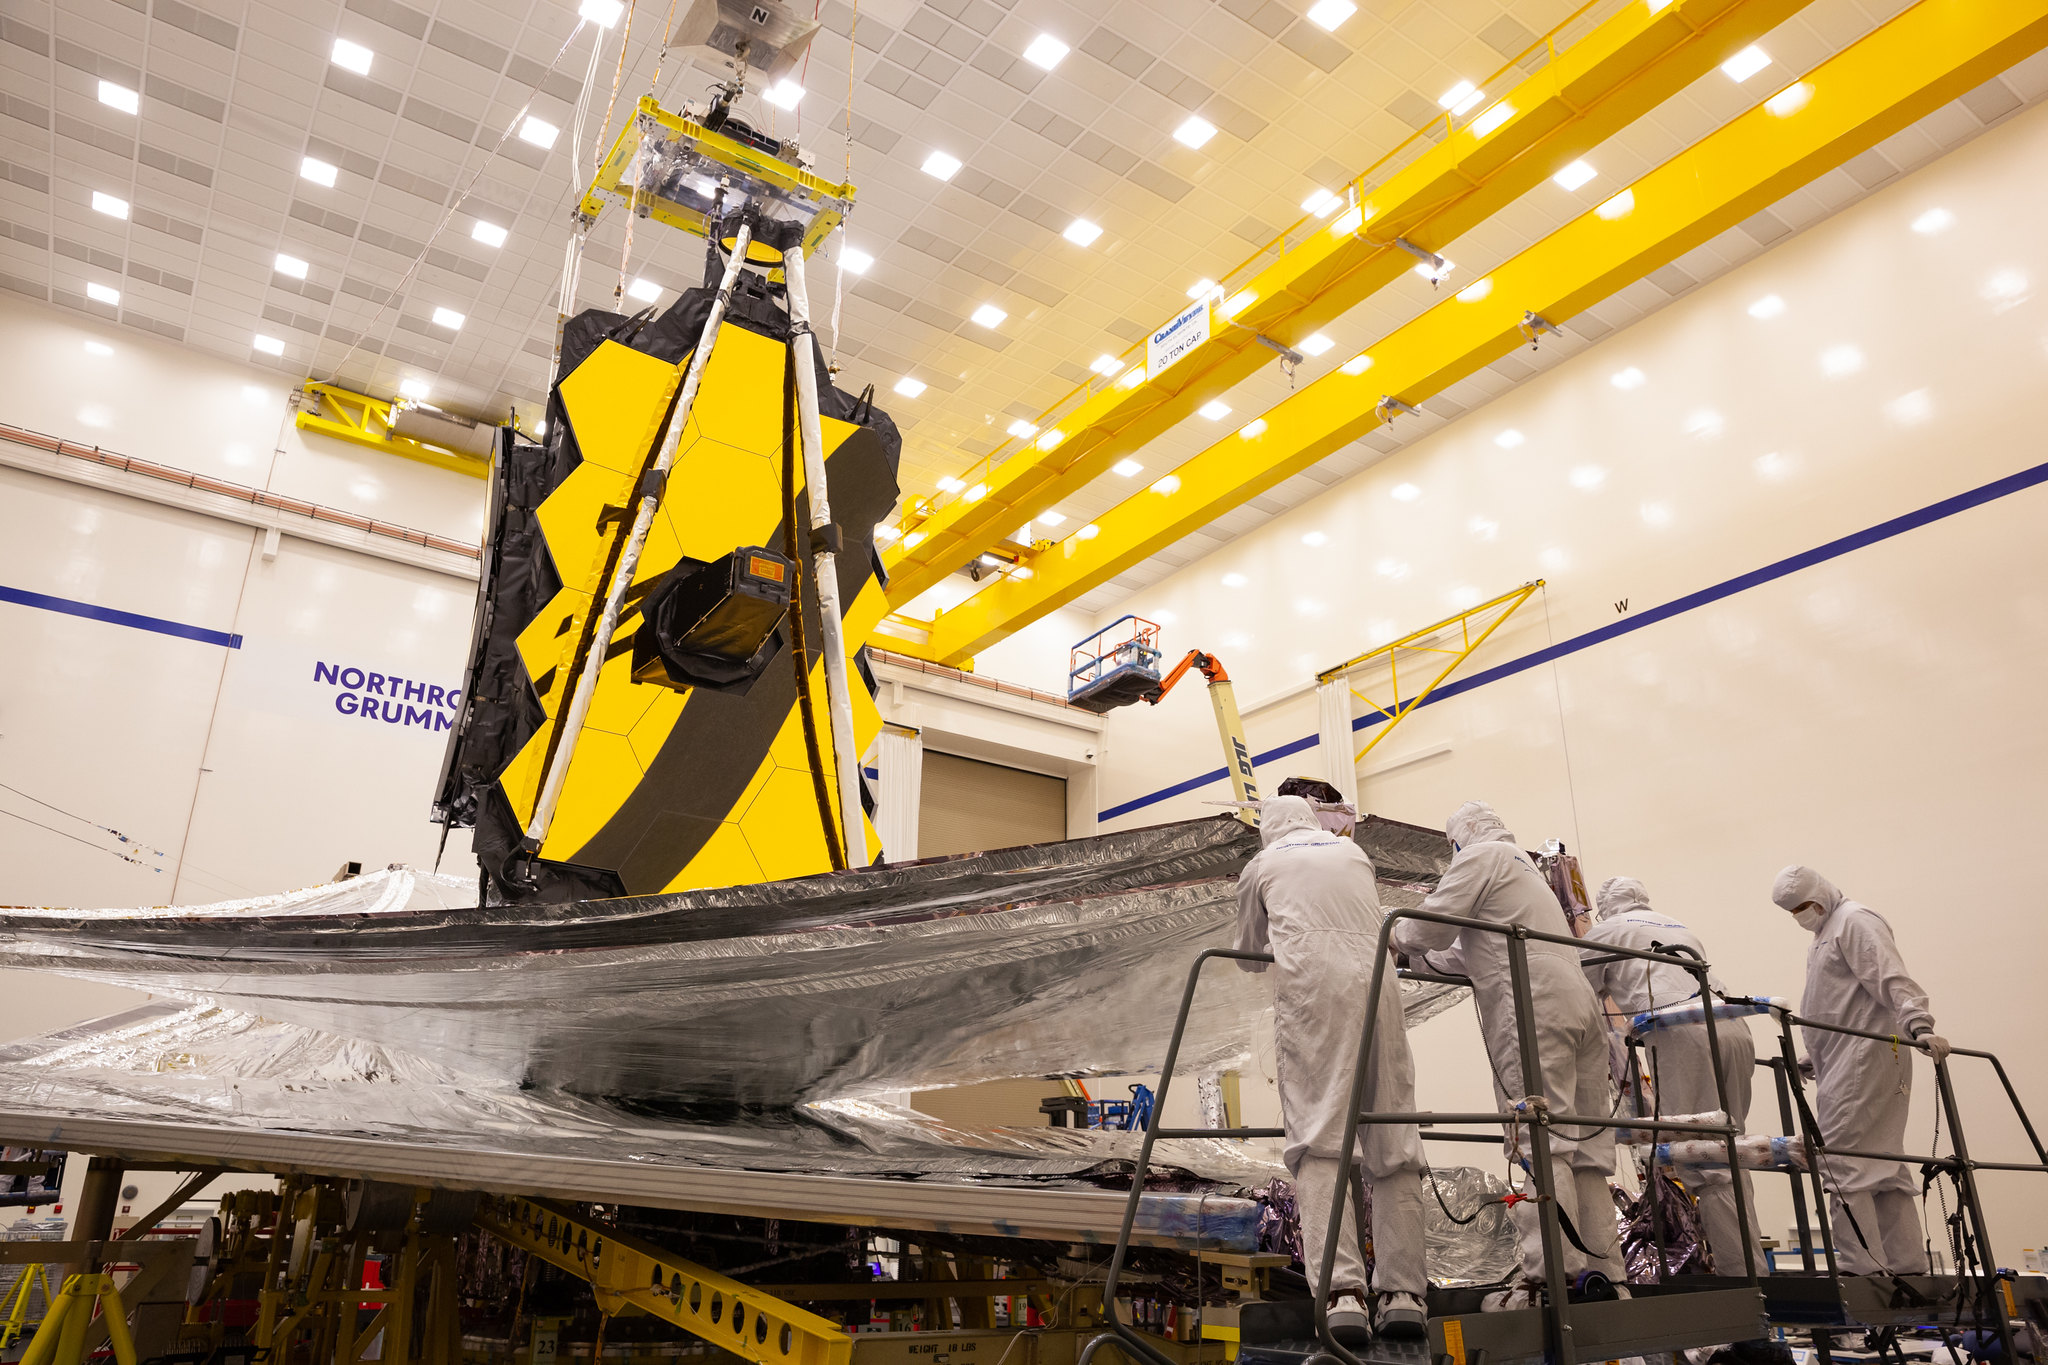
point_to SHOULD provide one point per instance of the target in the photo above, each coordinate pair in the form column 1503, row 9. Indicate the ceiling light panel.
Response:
column 490, row 234
column 119, row 97
column 941, row 165
column 112, row 205
column 1194, row 131
column 290, row 265
column 1046, row 52
column 352, row 56
column 321, row 172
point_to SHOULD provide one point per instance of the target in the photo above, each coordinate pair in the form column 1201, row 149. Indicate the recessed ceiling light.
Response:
column 269, row 345
column 949, row 484
column 1169, row 484
column 885, row 534
column 603, row 13
column 449, row 318
column 353, row 56
column 291, row 265
column 1130, row 469
column 490, row 234
column 988, row 315
column 1575, row 175
column 1081, row 232
column 1790, row 100
column 1052, row 518
column 1320, row 202
column 317, row 171
column 103, row 293
column 1841, row 360
column 1235, row 580
column 1315, row 345
column 1933, row 221
column 1238, row 302
column 1328, row 14
column 1202, row 288
column 784, row 94
column 1194, row 131
column 1769, row 306
column 1358, row 364
column 1022, row 429
column 1620, row 206
column 941, row 166
column 1315, row 540
column 1215, row 409
column 1106, row 364
column 1745, row 63
column 1588, row 476
column 1477, row 290
column 539, row 132
column 1493, row 118
column 1434, row 273
column 1252, row 430
column 908, row 387
column 1460, row 97
column 977, row 493
column 1046, row 52
column 1630, row 378
column 1509, row 439
column 414, row 388
column 119, row 97
column 645, row 290
column 1088, row 532
column 108, row 204
column 1404, row 492
column 98, row 348
column 855, row 260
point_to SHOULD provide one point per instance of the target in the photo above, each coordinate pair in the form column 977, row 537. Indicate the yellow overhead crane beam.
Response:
column 1622, row 69
column 363, row 420
column 1907, row 68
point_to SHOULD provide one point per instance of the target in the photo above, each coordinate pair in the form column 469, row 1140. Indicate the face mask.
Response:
column 1809, row 920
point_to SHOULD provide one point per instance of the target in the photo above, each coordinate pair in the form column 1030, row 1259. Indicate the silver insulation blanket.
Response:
column 1046, row 960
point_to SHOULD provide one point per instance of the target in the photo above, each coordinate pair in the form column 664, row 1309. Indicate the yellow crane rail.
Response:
column 1624, row 67
column 1905, row 69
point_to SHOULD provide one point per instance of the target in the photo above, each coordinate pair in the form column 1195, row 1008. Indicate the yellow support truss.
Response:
column 1449, row 177
column 1431, row 645
column 624, row 1272
column 365, row 421
column 1907, row 68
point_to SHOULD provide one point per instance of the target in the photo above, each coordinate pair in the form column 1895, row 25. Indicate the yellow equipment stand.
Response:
column 61, row 1338
column 17, row 1309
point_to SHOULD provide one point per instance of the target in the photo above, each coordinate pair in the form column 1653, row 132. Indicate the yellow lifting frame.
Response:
column 1422, row 194
column 624, row 1271
column 1905, row 69
column 829, row 201
column 365, row 421
column 1412, row 643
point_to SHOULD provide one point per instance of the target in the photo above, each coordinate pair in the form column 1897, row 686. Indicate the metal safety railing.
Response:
column 1531, row 1110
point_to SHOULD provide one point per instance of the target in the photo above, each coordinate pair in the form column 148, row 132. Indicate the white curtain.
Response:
column 1333, row 706
column 899, row 759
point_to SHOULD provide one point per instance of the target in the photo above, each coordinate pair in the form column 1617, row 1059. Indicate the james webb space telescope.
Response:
column 668, row 686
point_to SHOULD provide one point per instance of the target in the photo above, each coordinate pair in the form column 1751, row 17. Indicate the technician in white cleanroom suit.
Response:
column 1864, row 1087
column 1680, row 1067
column 1493, row 880
column 1310, row 899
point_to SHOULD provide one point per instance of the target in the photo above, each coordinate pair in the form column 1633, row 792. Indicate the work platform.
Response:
column 1800, row 1298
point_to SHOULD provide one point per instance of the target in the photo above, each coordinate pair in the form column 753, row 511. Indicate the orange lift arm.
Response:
column 1237, row 755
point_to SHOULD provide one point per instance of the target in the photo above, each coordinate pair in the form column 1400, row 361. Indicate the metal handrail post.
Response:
column 1788, row 1051
column 2014, row 1096
column 1557, row 1327
column 1966, row 1185
column 1776, row 1065
column 1699, row 971
column 1334, row 1229
column 1122, row 1332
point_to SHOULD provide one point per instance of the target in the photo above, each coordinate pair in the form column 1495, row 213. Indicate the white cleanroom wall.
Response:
column 1796, row 610
column 180, row 685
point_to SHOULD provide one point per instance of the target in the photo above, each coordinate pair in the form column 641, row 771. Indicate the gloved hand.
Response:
column 1937, row 1046
column 1806, row 1067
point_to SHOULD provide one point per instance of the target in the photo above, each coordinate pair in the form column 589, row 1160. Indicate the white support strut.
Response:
column 571, row 722
column 824, row 564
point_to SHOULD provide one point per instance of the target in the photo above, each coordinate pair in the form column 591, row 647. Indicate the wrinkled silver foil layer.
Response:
column 1046, row 960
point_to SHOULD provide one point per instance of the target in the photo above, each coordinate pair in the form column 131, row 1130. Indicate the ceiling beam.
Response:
column 1581, row 95
column 1907, row 68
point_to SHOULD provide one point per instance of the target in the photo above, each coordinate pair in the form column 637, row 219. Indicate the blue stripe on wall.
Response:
column 1834, row 549
column 136, row 620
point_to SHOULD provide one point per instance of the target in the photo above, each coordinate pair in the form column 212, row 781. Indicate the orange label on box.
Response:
column 764, row 568
column 1454, row 1340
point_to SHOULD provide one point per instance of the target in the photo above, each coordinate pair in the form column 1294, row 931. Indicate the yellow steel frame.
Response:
column 61, row 1340
column 1905, row 69
column 1419, row 642
column 624, row 1272
column 365, row 421
column 829, row 201
column 1418, row 193
column 17, row 1310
